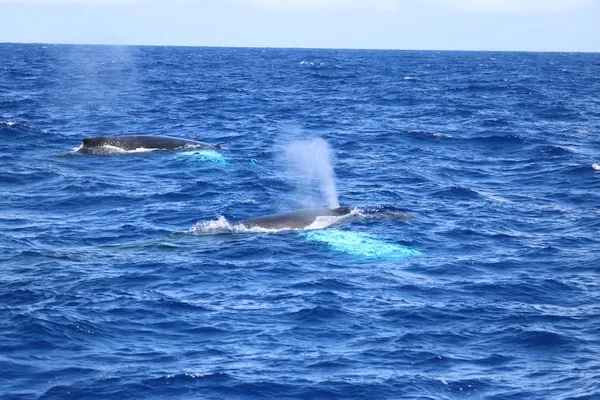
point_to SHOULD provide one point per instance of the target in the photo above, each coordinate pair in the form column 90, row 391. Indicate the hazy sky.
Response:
column 542, row 25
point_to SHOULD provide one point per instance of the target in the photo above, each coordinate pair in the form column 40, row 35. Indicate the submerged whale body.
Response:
column 104, row 144
column 294, row 220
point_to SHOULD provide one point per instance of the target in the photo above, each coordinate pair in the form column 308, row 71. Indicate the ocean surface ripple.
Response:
column 122, row 277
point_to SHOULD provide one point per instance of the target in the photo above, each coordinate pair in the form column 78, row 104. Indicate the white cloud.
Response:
column 470, row 6
column 276, row 4
column 41, row 2
column 515, row 6
column 270, row 4
column 467, row 6
column 323, row 4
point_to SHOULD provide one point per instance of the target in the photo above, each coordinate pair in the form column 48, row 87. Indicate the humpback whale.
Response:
column 299, row 219
column 103, row 144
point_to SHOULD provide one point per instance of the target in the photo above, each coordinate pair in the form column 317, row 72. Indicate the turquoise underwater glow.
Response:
column 361, row 245
column 210, row 156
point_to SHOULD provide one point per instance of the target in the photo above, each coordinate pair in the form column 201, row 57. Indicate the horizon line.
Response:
column 298, row 48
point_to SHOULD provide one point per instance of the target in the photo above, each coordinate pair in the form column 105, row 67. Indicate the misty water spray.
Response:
column 309, row 163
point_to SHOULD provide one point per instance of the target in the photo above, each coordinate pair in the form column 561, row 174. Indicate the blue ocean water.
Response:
column 122, row 278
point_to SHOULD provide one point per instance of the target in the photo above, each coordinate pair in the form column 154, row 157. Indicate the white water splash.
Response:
column 222, row 225
column 219, row 225
column 309, row 162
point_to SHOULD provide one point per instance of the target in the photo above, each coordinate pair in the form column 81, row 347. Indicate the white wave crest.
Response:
column 220, row 225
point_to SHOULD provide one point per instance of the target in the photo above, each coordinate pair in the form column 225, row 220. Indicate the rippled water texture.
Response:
column 469, row 269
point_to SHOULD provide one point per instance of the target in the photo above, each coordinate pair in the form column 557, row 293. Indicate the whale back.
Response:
column 299, row 219
column 142, row 142
column 93, row 141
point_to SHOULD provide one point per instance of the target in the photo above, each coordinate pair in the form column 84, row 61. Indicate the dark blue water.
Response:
column 120, row 275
